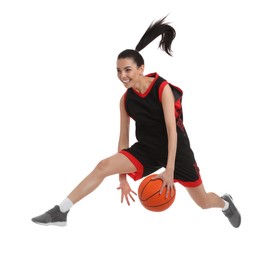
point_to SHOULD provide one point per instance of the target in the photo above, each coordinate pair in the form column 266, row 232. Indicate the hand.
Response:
column 126, row 192
column 167, row 178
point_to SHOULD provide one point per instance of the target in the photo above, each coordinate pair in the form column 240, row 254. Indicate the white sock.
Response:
column 226, row 205
column 65, row 205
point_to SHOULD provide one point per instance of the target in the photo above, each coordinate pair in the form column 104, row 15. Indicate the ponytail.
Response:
column 156, row 29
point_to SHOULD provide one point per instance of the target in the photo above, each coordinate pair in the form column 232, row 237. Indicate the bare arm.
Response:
column 124, row 126
column 122, row 144
column 124, row 131
column 168, row 102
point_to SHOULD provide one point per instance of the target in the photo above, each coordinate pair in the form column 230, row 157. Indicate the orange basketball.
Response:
column 148, row 193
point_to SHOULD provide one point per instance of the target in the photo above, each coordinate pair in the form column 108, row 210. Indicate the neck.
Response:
column 142, row 85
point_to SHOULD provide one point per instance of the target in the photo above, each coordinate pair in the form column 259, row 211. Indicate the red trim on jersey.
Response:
column 163, row 85
column 153, row 74
column 161, row 88
column 124, row 97
column 139, row 173
column 143, row 95
column 177, row 88
column 178, row 107
column 124, row 100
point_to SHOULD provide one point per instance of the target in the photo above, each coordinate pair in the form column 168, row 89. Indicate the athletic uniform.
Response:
column 150, row 152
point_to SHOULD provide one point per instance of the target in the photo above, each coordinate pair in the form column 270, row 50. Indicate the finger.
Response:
column 167, row 191
column 162, row 188
column 127, row 199
column 171, row 191
column 132, row 197
column 134, row 192
column 121, row 197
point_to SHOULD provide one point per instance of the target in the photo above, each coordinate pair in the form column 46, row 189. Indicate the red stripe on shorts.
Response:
column 190, row 184
column 139, row 173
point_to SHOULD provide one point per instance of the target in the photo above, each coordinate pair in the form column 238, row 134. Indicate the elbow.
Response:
column 123, row 145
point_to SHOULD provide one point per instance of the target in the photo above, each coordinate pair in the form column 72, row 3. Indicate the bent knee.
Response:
column 106, row 167
column 103, row 165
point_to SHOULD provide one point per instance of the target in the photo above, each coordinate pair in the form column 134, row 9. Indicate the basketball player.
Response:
column 162, row 141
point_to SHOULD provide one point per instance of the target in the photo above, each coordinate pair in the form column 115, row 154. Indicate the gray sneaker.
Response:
column 232, row 212
column 52, row 217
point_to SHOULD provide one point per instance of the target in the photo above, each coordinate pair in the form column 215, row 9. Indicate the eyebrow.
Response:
column 127, row 67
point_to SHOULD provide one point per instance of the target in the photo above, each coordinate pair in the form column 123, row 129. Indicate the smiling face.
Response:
column 128, row 72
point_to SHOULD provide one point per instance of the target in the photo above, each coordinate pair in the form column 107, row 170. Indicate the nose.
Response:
column 123, row 74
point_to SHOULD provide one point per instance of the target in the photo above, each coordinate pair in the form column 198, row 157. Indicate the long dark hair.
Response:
column 155, row 29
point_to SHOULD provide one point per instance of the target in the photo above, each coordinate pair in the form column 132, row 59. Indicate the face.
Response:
column 128, row 72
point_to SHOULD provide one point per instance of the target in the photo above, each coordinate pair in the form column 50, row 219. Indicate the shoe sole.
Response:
column 58, row 224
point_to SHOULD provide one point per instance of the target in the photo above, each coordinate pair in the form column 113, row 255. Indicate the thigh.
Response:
column 117, row 163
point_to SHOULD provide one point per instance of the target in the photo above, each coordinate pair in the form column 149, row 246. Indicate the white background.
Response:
column 59, row 116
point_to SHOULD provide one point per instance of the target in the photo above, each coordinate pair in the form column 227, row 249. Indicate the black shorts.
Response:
column 148, row 160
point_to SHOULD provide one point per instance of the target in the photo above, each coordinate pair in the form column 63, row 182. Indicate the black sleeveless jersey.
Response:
column 150, row 152
column 146, row 110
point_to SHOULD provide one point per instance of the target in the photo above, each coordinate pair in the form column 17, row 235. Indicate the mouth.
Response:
column 126, row 82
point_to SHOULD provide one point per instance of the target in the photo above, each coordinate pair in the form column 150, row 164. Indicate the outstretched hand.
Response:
column 126, row 192
column 167, row 181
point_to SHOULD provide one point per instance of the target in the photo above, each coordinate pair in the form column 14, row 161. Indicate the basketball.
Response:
column 148, row 194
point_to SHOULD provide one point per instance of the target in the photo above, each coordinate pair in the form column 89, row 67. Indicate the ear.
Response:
column 141, row 69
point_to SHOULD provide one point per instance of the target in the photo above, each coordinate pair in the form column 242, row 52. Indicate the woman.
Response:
column 162, row 141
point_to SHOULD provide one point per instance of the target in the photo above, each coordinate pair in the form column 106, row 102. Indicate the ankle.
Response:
column 65, row 205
